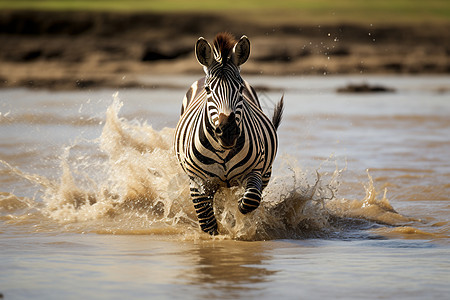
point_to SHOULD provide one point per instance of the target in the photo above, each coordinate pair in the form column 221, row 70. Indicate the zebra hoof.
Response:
column 250, row 201
column 212, row 230
column 242, row 209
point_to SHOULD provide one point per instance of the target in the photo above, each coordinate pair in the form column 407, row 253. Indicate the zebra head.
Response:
column 224, row 84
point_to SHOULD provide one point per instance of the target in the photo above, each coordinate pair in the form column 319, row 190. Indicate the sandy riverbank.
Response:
column 67, row 50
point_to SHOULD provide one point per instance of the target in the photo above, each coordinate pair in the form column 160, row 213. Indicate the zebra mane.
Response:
column 223, row 46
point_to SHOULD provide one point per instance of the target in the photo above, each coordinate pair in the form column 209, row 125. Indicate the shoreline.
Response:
column 78, row 50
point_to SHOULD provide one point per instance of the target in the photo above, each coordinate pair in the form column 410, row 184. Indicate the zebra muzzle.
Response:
column 227, row 131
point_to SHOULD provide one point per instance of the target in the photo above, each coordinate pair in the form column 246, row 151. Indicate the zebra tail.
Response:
column 278, row 113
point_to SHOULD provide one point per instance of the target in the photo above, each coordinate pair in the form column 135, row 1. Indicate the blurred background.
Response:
column 70, row 44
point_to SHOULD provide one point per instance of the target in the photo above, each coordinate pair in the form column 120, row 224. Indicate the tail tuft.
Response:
column 278, row 113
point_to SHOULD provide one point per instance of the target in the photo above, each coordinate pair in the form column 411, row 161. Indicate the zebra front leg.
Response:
column 203, row 205
column 252, row 195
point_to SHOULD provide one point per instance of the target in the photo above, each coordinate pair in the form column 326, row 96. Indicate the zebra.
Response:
column 223, row 138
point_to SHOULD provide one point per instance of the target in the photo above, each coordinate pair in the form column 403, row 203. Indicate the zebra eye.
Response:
column 207, row 89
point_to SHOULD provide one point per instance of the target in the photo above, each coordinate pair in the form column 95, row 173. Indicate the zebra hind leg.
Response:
column 203, row 205
column 252, row 195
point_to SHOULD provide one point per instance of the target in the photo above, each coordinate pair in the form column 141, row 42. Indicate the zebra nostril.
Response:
column 219, row 131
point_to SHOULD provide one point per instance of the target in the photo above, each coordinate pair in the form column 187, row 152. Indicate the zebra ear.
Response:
column 203, row 51
column 241, row 51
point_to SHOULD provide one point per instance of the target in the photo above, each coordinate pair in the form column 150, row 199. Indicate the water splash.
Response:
column 136, row 186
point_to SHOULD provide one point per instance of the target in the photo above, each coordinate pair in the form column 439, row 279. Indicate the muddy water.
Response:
column 94, row 205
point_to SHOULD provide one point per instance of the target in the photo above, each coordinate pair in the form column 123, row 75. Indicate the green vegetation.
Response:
column 391, row 11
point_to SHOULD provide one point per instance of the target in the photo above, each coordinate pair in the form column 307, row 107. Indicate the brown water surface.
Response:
column 94, row 205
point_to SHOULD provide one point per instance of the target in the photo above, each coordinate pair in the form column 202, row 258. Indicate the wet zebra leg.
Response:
column 203, row 205
column 252, row 196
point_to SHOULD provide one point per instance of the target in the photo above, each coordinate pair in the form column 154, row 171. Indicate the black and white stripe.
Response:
column 220, row 110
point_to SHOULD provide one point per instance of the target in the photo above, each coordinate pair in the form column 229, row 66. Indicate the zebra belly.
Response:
column 216, row 174
column 226, row 170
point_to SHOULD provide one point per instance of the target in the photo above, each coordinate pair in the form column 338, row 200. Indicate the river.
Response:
column 93, row 204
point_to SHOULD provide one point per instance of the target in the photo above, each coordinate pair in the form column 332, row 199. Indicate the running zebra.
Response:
column 223, row 138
